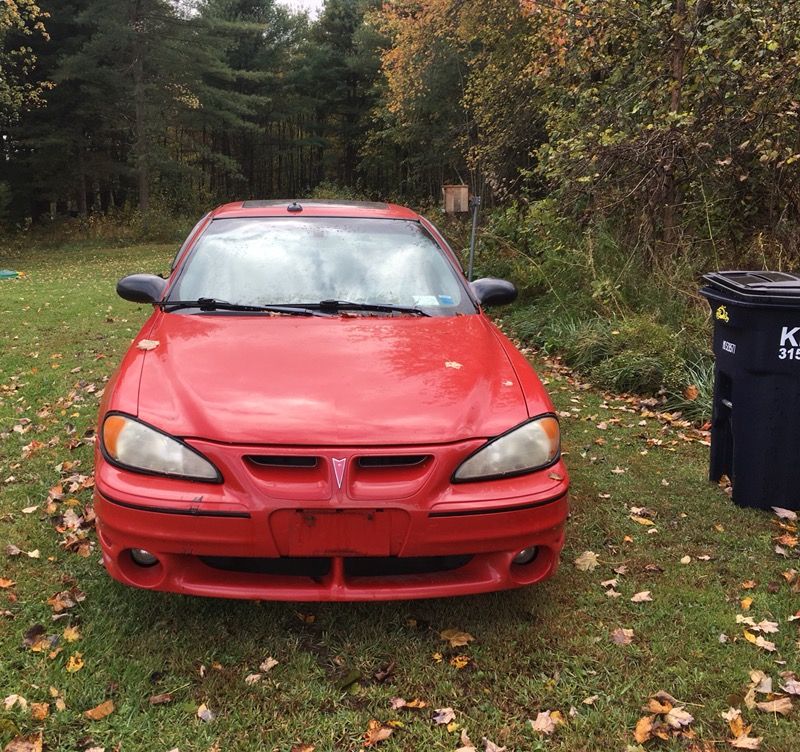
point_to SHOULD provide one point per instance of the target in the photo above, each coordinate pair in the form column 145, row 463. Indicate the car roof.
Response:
column 313, row 208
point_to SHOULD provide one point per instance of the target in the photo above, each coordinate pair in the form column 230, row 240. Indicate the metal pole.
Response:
column 475, row 203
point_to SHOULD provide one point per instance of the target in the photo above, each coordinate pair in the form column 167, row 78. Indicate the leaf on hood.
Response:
column 587, row 561
column 443, row 716
column 101, row 711
column 781, row 705
column 456, row 637
column 148, row 344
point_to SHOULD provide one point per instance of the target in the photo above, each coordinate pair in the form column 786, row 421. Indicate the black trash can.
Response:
column 755, row 431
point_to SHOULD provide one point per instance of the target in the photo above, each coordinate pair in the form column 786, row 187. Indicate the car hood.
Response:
column 348, row 380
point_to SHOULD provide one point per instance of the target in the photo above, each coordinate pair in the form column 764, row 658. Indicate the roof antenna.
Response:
column 294, row 208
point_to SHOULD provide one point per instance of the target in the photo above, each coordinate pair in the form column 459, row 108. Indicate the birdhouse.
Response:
column 456, row 198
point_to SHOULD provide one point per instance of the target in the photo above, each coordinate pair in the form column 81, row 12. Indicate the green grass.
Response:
column 543, row 648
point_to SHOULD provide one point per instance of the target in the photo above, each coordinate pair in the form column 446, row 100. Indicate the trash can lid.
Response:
column 758, row 286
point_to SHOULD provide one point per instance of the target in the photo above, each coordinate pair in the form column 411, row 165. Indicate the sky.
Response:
column 313, row 6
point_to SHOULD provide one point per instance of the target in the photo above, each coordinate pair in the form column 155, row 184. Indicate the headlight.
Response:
column 528, row 447
column 137, row 446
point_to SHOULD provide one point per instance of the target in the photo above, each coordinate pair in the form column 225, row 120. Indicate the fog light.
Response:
column 143, row 558
column 526, row 556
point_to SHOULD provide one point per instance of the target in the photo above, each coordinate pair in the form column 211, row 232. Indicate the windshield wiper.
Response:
column 212, row 304
column 334, row 306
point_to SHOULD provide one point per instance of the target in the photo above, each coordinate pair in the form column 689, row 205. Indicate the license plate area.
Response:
column 336, row 532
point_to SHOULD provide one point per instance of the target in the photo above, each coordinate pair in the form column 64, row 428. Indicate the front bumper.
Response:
column 406, row 534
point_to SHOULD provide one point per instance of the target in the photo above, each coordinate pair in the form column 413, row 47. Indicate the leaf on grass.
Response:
column 678, row 718
column 746, row 603
column 71, row 634
column 792, row 687
column 644, row 729
column 465, row 742
column 376, row 732
column 303, row 748
column 251, row 679
column 460, row 661
column 642, row 520
column 75, row 663
column 267, row 665
column 25, row 744
column 148, row 344
column 759, row 641
column 587, row 561
column 546, row 722
column 785, row 514
column 6, row 583
column 781, row 705
column 490, row 746
column 456, row 637
column 746, row 742
column 443, row 716
column 40, row 710
column 101, row 711
column 686, row 560
column 161, row 699
column 205, row 714
column 642, row 597
column 622, row 636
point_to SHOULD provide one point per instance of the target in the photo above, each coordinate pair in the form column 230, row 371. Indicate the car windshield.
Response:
column 290, row 261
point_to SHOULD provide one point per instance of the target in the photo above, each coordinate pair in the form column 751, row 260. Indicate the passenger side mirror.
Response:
column 494, row 292
column 142, row 288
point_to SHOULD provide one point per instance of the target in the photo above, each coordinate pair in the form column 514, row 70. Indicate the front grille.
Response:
column 317, row 566
column 392, row 460
column 354, row 566
column 282, row 460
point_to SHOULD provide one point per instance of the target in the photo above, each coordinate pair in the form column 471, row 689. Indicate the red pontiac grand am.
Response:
column 319, row 409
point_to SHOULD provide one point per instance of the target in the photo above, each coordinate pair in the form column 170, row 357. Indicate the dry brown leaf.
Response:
column 40, row 710
column 102, row 710
column 785, row 514
column 161, row 699
column 267, row 665
column 25, row 744
column 644, row 729
column 148, row 344
column 456, row 637
column 303, row 748
column 587, row 561
column 642, row 597
column 75, row 663
column 6, row 583
column 678, row 718
column 781, row 705
column 376, row 733
column 205, row 714
column 746, row 742
column 622, row 636
column 443, row 716
column 544, row 723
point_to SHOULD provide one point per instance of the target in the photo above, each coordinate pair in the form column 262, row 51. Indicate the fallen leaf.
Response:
column 75, row 663
column 40, row 710
column 251, row 679
column 443, row 716
column 746, row 603
column 546, row 722
column 71, row 634
column 622, row 636
column 644, row 729
column 376, row 733
column 490, row 746
column 642, row 520
column 205, row 714
column 101, row 711
column 161, row 699
column 456, row 637
column 678, row 718
column 785, row 514
column 303, row 748
column 148, row 344
column 5, row 583
column 587, row 561
column 267, row 665
column 792, row 687
column 641, row 597
column 781, row 705
column 686, row 560
column 25, row 744
column 746, row 742
column 452, row 364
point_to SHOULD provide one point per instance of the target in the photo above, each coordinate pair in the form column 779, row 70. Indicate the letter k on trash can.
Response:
column 755, row 430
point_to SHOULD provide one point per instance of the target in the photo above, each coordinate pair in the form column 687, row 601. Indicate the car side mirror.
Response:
column 494, row 292
column 142, row 288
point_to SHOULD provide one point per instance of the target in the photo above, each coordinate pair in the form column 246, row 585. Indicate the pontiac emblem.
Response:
column 338, row 469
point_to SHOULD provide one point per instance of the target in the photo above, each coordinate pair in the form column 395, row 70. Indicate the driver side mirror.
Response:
column 142, row 288
column 494, row 292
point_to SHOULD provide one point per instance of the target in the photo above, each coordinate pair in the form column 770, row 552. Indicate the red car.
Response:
column 319, row 409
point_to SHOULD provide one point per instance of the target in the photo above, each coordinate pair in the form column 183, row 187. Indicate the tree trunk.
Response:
column 142, row 157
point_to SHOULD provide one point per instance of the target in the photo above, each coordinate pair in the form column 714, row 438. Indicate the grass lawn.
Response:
column 544, row 648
